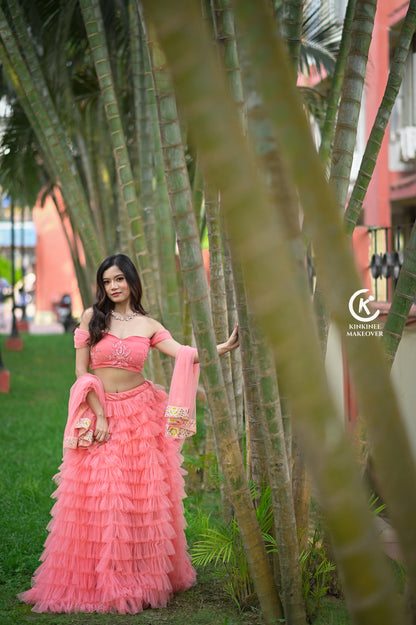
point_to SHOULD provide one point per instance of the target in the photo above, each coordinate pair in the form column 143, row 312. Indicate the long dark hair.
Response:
column 100, row 320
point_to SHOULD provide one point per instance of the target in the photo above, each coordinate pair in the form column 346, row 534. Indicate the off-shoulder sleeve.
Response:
column 81, row 338
column 160, row 335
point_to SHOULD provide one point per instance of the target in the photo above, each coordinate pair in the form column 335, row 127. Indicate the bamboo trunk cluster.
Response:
column 212, row 132
column 256, row 243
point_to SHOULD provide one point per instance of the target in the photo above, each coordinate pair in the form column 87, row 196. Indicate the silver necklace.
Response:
column 121, row 318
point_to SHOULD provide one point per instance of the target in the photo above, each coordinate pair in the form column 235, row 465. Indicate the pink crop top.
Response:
column 129, row 353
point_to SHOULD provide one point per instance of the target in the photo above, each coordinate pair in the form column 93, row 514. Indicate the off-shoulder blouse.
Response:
column 129, row 353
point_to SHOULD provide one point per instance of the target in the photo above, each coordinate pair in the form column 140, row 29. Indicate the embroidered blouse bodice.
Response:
column 129, row 353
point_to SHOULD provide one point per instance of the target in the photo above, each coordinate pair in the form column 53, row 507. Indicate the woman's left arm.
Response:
column 231, row 343
column 171, row 347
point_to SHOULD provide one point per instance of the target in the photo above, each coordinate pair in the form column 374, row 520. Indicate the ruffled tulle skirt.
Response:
column 116, row 541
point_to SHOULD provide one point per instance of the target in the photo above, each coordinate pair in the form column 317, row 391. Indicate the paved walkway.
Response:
column 34, row 327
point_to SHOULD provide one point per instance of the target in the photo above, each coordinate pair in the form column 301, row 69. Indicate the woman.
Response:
column 117, row 541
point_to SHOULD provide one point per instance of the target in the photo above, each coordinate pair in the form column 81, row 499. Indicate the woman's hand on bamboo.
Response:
column 231, row 343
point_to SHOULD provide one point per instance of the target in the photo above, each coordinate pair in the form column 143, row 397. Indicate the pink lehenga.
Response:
column 116, row 541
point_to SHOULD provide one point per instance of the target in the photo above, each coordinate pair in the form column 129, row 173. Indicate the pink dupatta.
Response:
column 80, row 427
column 180, row 411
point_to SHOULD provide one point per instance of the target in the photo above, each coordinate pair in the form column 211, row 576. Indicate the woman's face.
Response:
column 116, row 285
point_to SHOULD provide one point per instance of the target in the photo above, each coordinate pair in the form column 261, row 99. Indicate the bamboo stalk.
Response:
column 196, row 284
column 262, row 249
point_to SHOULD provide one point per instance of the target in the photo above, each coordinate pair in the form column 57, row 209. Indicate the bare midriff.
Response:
column 118, row 380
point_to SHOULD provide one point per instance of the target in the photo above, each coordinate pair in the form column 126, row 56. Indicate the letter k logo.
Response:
column 362, row 306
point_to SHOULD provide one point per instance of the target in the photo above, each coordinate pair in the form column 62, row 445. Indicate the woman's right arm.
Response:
column 82, row 363
column 101, row 433
column 82, row 354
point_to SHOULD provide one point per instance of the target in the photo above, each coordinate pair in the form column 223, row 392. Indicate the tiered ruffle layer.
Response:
column 116, row 541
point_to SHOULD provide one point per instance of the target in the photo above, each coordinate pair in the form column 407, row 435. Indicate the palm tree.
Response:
column 40, row 109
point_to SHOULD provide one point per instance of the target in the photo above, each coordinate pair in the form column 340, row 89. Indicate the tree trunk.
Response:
column 217, row 291
column 404, row 296
column 144, row 143
column 197, row 292
column 94, row 26
column 301, row 489
column 351, row 96
column 328, row 131
column 279, row 479
column 218, row 303
column 291, row 29
column 171, row 309
column 262, row 249
column 236, row 361
column 378, row 130
column 387, row 433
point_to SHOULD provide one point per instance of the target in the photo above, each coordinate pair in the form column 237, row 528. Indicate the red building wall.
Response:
column 55, row 273
column 377, row 202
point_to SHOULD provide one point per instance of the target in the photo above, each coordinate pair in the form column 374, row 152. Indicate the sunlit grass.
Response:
column 32, row 419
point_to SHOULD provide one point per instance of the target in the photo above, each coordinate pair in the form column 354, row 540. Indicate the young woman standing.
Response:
column 116, row 541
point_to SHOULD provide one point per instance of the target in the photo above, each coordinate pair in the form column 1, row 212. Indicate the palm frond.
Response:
column 320, row 37
column 22, row 173
column 214, row 546
column 316, row 56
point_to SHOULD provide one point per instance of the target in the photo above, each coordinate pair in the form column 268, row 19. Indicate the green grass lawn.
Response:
column 32, row 419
